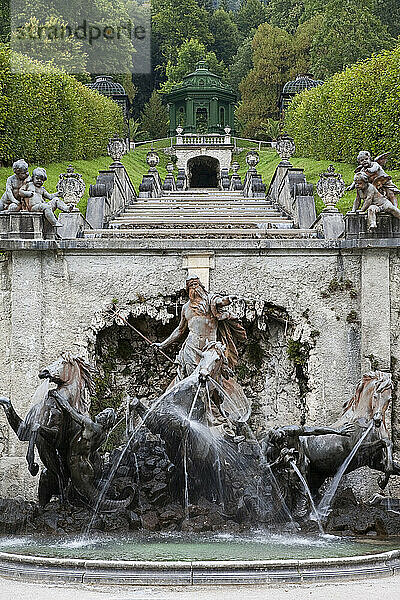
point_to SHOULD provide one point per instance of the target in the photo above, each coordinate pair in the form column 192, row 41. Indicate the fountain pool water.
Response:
column 253, row 545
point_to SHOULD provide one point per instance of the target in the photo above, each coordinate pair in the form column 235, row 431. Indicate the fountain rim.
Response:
column 190, row 573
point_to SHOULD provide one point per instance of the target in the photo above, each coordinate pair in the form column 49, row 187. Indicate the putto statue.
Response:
column 11, row 200
column 376, row 175
column 34, row 196
column 372, row 201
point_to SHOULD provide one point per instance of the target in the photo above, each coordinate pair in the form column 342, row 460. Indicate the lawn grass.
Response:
column 135, row 164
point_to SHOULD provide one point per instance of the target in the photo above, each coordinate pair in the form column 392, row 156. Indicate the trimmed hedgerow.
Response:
column 51, row 116
column 357, row 109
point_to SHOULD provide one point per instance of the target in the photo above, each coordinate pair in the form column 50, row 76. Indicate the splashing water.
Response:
column 324, row 506
column 308, row 492
column 115, row 467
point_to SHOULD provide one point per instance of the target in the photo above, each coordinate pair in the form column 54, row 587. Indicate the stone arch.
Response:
column 203, row 172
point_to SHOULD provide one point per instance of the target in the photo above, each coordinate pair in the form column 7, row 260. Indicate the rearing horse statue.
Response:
column 327, row 453
column 45, row 427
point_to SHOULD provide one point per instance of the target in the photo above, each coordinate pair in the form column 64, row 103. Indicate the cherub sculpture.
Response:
column 11, row 199
column 33, row 196
column 372, row 200
column 376, row 175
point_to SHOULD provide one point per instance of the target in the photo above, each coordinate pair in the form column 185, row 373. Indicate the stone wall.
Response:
column 314, row 310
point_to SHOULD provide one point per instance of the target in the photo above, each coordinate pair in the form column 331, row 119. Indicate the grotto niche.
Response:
column 130, row 371
column 272, row 367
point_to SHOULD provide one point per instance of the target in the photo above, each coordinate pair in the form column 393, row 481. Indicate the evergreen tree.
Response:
column 154, row 118
column 241, row 65
column 226, row 35
column 389, row 13
column 251, row 14
column 349, row 31
column 274, row 59
column 4, row 20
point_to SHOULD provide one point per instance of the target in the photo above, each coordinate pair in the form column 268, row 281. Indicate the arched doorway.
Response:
column 203, row 172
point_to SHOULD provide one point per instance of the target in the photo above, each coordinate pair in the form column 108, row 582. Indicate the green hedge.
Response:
column 357, row 109
column 51, row 116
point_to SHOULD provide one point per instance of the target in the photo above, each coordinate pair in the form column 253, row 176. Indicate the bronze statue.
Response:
column 45, row 427
column 33, row 196
column 376, row 175
column 373, row 202
column 83, row 458
column 11, row 199
column 205, row 319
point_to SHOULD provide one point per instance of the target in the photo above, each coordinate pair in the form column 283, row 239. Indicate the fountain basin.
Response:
column 205, row 572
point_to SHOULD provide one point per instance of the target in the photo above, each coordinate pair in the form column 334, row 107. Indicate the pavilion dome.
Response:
column 106, row 86
column 302, row 82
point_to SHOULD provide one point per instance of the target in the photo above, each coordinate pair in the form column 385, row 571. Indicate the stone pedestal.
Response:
column 331, row 223
column 356, row 226
column 25, row 225
column 73, row 225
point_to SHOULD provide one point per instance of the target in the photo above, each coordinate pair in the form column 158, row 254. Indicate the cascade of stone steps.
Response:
column 202, row 213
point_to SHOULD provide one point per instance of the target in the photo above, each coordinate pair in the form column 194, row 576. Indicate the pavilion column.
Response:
column 190, row 124
column 213, row 120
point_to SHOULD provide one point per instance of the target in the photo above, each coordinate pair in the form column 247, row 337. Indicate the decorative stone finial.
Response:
column 152, row 159
column 71, row 187
column 116, row 148
column 235, row 167
column 179, row 130
column 252, row 159
column 330, row 188
column 285, row 147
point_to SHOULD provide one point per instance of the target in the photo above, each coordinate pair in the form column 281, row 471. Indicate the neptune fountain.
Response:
column 208, row 468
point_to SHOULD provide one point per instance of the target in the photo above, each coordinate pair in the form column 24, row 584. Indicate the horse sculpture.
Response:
column 51, row 428
column 189, row 417
column 326, row 454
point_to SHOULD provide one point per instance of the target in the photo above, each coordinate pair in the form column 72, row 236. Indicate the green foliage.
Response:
column 349, row 31
column 154, row 118
column 4, row 20
column 388, row 12
column 251, row 14
column 189, row 54
column 51, row 116
column 175, row 21
column 273, row 58
column 226, row 35
column 242, row 63
column 356, row 109
column 286, row 14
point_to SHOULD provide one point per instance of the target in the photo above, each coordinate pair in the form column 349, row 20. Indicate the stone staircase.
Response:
column 199, row 213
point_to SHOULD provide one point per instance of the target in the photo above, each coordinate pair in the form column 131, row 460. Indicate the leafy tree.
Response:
column 251, row 14
column 226, row 35
column 175, row 21
column 286, row 14
column 189, row 55
column 303, row 41
column 154, row 118
column 349, row 31
column 242, row 63
column 356, row 108
column 274, row 61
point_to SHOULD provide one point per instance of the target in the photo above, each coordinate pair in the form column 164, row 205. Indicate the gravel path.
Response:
column 366, row 589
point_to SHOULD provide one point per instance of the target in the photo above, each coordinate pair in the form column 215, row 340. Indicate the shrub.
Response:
column 50, row 116
column 357, row 109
